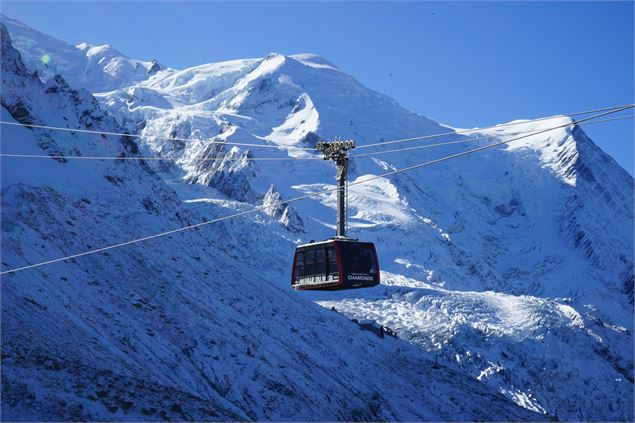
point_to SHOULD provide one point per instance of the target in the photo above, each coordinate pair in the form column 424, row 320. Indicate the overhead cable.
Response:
column 122, row 134
column 504, row 125
column 209, row 141
column 219, row 159
column 487, row 137
column 256, row 209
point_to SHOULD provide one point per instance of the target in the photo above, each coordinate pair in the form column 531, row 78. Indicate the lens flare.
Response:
column 46, row 58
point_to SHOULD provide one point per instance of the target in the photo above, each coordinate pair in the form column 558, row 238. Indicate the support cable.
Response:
column 505, row 125
column 302, row 197
column 487, row 137
column 121, row 134
column 208, row 159
column 209, row 141
column 220, row 159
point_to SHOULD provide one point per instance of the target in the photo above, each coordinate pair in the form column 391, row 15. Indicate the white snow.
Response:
column 94, row 67
column 510, row 267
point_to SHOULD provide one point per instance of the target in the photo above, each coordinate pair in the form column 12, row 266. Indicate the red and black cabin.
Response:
column 335, row 264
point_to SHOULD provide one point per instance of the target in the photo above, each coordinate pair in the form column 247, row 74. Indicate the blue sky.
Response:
column 463, row 63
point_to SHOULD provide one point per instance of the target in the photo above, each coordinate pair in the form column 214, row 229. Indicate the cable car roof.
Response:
column 331, row 240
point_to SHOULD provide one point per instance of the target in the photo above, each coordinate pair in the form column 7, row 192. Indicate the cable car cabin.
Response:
column 335, row 264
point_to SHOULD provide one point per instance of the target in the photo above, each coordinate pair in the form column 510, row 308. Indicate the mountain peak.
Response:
column 9, row 21
column 103, row 50
column 277, row 60
column 314, row 61
column 97, row 68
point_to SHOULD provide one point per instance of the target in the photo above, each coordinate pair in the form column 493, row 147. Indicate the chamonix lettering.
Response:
column 360, row 278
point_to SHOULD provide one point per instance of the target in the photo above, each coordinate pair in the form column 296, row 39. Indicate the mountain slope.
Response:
column 542, row 219
column 513, row 265
column 96, row 68
column 176, row 329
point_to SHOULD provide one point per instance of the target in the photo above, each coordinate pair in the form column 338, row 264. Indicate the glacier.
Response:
column 507, row 275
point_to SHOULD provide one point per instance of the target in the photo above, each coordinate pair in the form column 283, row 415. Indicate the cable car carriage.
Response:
column 337, row 263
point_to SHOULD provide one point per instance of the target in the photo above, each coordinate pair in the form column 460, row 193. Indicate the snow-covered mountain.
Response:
column 180, row 331
column 513, row 267
column 94, row 67
column 545, row 226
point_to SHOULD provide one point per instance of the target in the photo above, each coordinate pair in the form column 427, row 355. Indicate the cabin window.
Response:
column 320, row 263
column 309, row 263
column 362, row 260
column 331, row 263
column 299, row 265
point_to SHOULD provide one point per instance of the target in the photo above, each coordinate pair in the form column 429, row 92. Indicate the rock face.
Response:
column 154, row 68
column 283, row 213
column 228, row 171
column 513, row 267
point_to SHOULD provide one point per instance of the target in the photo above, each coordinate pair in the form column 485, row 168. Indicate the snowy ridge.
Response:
column 96, row 68
column 556, row 149
column 514, row 267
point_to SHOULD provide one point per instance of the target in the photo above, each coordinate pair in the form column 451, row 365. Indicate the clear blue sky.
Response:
column 465, row 64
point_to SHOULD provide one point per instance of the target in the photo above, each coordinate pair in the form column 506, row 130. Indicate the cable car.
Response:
column 340, row 262
column 334, row 264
